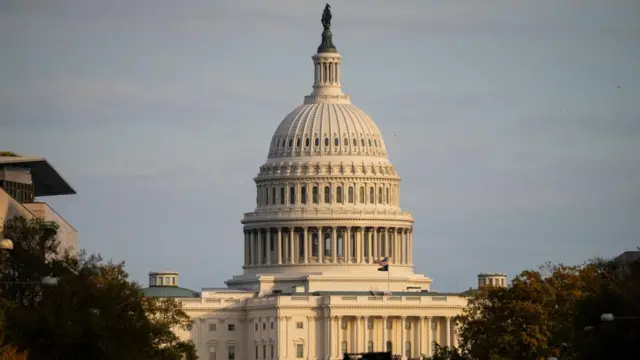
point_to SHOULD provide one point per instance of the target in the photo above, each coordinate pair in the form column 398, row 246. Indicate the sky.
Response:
column 515, row 125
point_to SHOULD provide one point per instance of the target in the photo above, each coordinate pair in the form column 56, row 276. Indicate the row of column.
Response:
column 327, row 245
column 327, row 193
column 358, row 334
column 327, row 73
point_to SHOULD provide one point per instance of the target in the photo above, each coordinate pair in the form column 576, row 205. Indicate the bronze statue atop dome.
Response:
column 327, row 43
column 326, row 17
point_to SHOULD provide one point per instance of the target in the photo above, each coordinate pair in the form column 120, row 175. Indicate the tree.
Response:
column 531, row 319
column 95, row 312
column 446, row 353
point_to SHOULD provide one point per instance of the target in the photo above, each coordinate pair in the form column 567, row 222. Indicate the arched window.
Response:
column 315, row 246
column 327, row 194
column 327, row 244
column 380, row 195
column 303, row 194
column 292, row 195
column 315, row 195
column 297, row 143
column 264, row 351
column 346, row 141
column 361, row 195
column 282, row 195
column 266, row 193
column 307, row 142
column 371, row 195
column 339, row 194
column 387, row 190
column 350, row 195
column 326, row 142
column 212, row 352
column 362, row 142
column 336, row 142
column 290, row 142
column 369, row 142
column 316, row 142
column 257, row 355
column 273, row 196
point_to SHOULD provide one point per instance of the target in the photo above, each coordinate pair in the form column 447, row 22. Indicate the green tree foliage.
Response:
column 446, row 353
column 95, row 312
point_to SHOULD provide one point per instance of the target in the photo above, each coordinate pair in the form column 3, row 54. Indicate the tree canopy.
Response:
column 94, row 312
column 553, row 312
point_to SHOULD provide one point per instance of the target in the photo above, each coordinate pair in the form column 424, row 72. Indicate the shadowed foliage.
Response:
column 95, row 312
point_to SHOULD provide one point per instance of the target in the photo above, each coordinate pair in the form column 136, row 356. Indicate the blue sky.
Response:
column 514, row 124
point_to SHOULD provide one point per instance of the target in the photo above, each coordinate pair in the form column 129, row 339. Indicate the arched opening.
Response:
column 292, row 195
column 380, row 195
column 327, row 194
column 350, row 195
column 315, row 195
column 339, row 194
column 327, row 244
column 315, row 245
column 371, row 195
column 361, row 195
column 303, row 194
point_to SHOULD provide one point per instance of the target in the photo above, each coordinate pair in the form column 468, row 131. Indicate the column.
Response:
column 410, row 247
column 246, row 248
column 359, row 245
column 307, row 244
column 374, row 243
column 279, row 246
column 285, row 241
column 292, row 240
column 348, row 249
column 259, row 243
column 403, row 332
column 447, row 338
column 429, row 352
column 356, row 329
column 365, row 327
column 384, row 333
column 267, row 247
column 421, row 337
column 339, row 337
column 327, row 337
column 334, row 244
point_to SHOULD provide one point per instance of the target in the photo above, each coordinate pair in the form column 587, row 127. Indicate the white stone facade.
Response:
column 327, row 210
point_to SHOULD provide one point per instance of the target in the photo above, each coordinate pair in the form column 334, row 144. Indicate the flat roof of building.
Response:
column 46, row 180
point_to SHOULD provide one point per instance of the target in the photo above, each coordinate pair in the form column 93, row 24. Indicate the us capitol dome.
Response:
column 327, row 219
column 327, row 199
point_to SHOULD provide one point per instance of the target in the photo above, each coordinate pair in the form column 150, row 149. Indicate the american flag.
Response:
column 383, row 262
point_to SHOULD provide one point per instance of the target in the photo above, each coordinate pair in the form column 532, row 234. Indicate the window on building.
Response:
column 292, row 195
column 264, row 351
column 306, row 142
column 212, row 327
column 316, row 142
column 256, row 326
column 370, row 324
column 353, row 243
column 407, row 325
column 231, row 327
column 264, row 326
column 315, row 196
column 257, row 352
column 343, row 347
column 327, row 194
column 326, row 142
column 380, row 195
column 272, row 351
column 290, row 142
column 303, row 194
column 371, row 196
column 339, row 194
column 273, row 196
column 370, row 346
column 345, row 142
column 299, row 325
column 272, row 326
column 266, row 192
column 389, row 346
column 336, row 142
column 343, row 324
column 387, row 190
column 361, row 195
column 361, row 142
column 301, row 246
column 282, row 195
column 407, row 349
column 299, row 351
column 232, row 352
column 350, row 195
column 298, row 143
column 212, row 353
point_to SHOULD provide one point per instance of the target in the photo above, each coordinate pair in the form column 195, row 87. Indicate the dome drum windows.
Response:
column 326, row 142
column 292, row 195
column 327, row 195
column 350, row 195
column 307, row 142
column 336, row 142
column 282, row 193
column 339, row 194
column 303, row 193
column 372, row 193
column 315, row 196
column 316, row 142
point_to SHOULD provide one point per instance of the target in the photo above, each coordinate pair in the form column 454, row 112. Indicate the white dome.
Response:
column 327, row 128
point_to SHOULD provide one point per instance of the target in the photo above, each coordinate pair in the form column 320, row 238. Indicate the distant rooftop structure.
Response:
column 34, row 171
column 627, row 257
column 164, row 284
